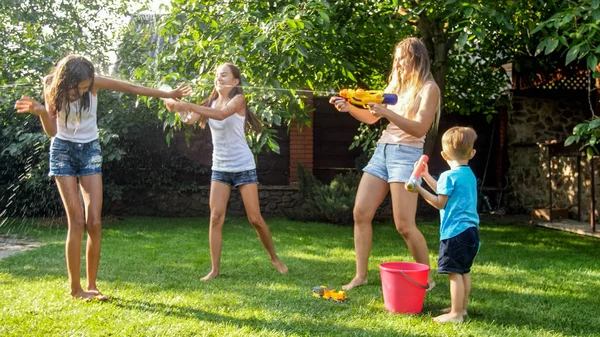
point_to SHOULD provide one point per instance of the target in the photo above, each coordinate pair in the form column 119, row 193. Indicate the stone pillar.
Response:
column 301, row 143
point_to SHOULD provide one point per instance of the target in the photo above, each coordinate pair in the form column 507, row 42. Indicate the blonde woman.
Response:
column 399, row 147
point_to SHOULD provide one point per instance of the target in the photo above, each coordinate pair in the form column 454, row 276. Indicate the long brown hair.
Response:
column 66, row 75
column 408, row 88
column 252, row 120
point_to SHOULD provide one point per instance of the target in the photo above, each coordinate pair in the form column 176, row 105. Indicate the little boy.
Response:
column 457, row 201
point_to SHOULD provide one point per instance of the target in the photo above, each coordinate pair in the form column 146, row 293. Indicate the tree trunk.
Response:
column 434, row 37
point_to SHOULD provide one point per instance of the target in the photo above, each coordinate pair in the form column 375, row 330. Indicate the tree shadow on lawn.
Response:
column 282, row 327
column 564, row 314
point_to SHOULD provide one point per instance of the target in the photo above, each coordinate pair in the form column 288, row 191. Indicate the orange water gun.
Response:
column 329, row 294
column 417, row 172
column 363, row 97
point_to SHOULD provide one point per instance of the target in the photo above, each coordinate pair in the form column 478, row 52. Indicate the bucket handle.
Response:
column 413, row 281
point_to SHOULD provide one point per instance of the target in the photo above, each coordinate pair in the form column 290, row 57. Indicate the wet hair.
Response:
column 458, row 142
column 66, row 75
column 252, row 121
column 408, row 88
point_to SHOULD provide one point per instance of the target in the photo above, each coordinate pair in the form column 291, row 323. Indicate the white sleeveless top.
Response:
column 231, row 152
column 80, row 128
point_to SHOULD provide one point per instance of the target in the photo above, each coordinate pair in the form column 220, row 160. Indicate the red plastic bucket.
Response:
column 403, row 285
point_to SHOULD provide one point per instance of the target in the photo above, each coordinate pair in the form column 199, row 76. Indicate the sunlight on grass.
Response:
column 526, row 282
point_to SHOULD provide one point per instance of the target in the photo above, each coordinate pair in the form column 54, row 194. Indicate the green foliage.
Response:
column 573, row 30
column 33, row 35
column 282, row 48
column 332, row 203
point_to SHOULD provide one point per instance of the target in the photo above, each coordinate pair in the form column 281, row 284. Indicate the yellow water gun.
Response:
column 363, row 97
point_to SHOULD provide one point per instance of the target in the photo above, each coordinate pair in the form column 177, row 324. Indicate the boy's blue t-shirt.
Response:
column 460, row 213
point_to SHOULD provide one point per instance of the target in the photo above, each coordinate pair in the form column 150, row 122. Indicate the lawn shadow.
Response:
column 280, row 327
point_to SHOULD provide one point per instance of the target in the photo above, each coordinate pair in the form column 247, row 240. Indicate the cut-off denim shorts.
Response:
column 393, row 163
column 235, row 179
column 69, row 159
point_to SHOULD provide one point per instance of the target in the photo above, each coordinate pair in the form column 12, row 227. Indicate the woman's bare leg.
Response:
column 91, row 188
column 404, row 206
column 249, row 193
column 67, row 186
column 219, row 196
column 370, row 194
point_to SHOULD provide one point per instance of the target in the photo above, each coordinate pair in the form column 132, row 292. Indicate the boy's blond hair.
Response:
column 458, row 142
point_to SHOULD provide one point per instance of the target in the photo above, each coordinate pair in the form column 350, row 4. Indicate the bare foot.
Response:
column 210, row 276
column 88, row 296
column 356, row 282
column 99, row 295
column 449, row 310
column 280, row 266
column 449, row 318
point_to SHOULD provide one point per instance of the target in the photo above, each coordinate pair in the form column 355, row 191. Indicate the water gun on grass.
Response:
column 417, row 172
column 363, row 97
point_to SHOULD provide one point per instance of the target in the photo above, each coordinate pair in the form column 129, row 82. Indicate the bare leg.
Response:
column 67, row 186
column 219, row 196
column 457, row 294
column 91, row 187
column 249, row 194
column 467, row 283
column 371, row 192
column 404, row 205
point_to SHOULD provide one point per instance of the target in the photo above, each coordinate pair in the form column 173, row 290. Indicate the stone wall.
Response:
column 273, row 199
column 533, row 122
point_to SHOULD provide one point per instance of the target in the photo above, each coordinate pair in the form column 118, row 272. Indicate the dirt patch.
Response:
column 11, row 245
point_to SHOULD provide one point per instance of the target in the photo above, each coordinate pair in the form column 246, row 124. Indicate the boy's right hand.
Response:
column 26, row 104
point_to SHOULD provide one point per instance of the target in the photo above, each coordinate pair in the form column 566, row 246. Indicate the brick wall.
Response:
column 301, row 144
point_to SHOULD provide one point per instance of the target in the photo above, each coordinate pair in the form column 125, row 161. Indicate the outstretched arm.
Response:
column 46, row 115
column 362, row 115
column 236, row 104
column 438, row 201
column 116, row 85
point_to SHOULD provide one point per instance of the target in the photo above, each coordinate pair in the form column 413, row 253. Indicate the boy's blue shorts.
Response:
column 458, row 252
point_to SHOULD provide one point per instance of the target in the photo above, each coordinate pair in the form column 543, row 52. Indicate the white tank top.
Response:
column 80, row 128
column 231, row 152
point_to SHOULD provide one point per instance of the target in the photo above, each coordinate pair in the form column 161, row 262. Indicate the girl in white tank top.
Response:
column 233, row 162
column 69, row 116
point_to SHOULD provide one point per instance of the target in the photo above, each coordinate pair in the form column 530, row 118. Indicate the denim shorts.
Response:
column 393, row 163
column 75, row 159
column 457, row 253
column 235, row 178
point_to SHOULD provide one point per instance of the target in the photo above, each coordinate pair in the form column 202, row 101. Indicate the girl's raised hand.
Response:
column 180, row 91
column 26, row 104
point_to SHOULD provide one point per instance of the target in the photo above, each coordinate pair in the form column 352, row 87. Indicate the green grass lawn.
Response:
column 527, row 281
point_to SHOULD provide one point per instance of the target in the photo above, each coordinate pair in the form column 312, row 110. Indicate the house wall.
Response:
column 533, row 122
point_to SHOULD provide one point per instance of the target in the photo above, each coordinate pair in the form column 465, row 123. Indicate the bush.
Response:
column 332, row 203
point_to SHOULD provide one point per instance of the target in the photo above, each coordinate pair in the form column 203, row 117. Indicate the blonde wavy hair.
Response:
column 408, row 87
